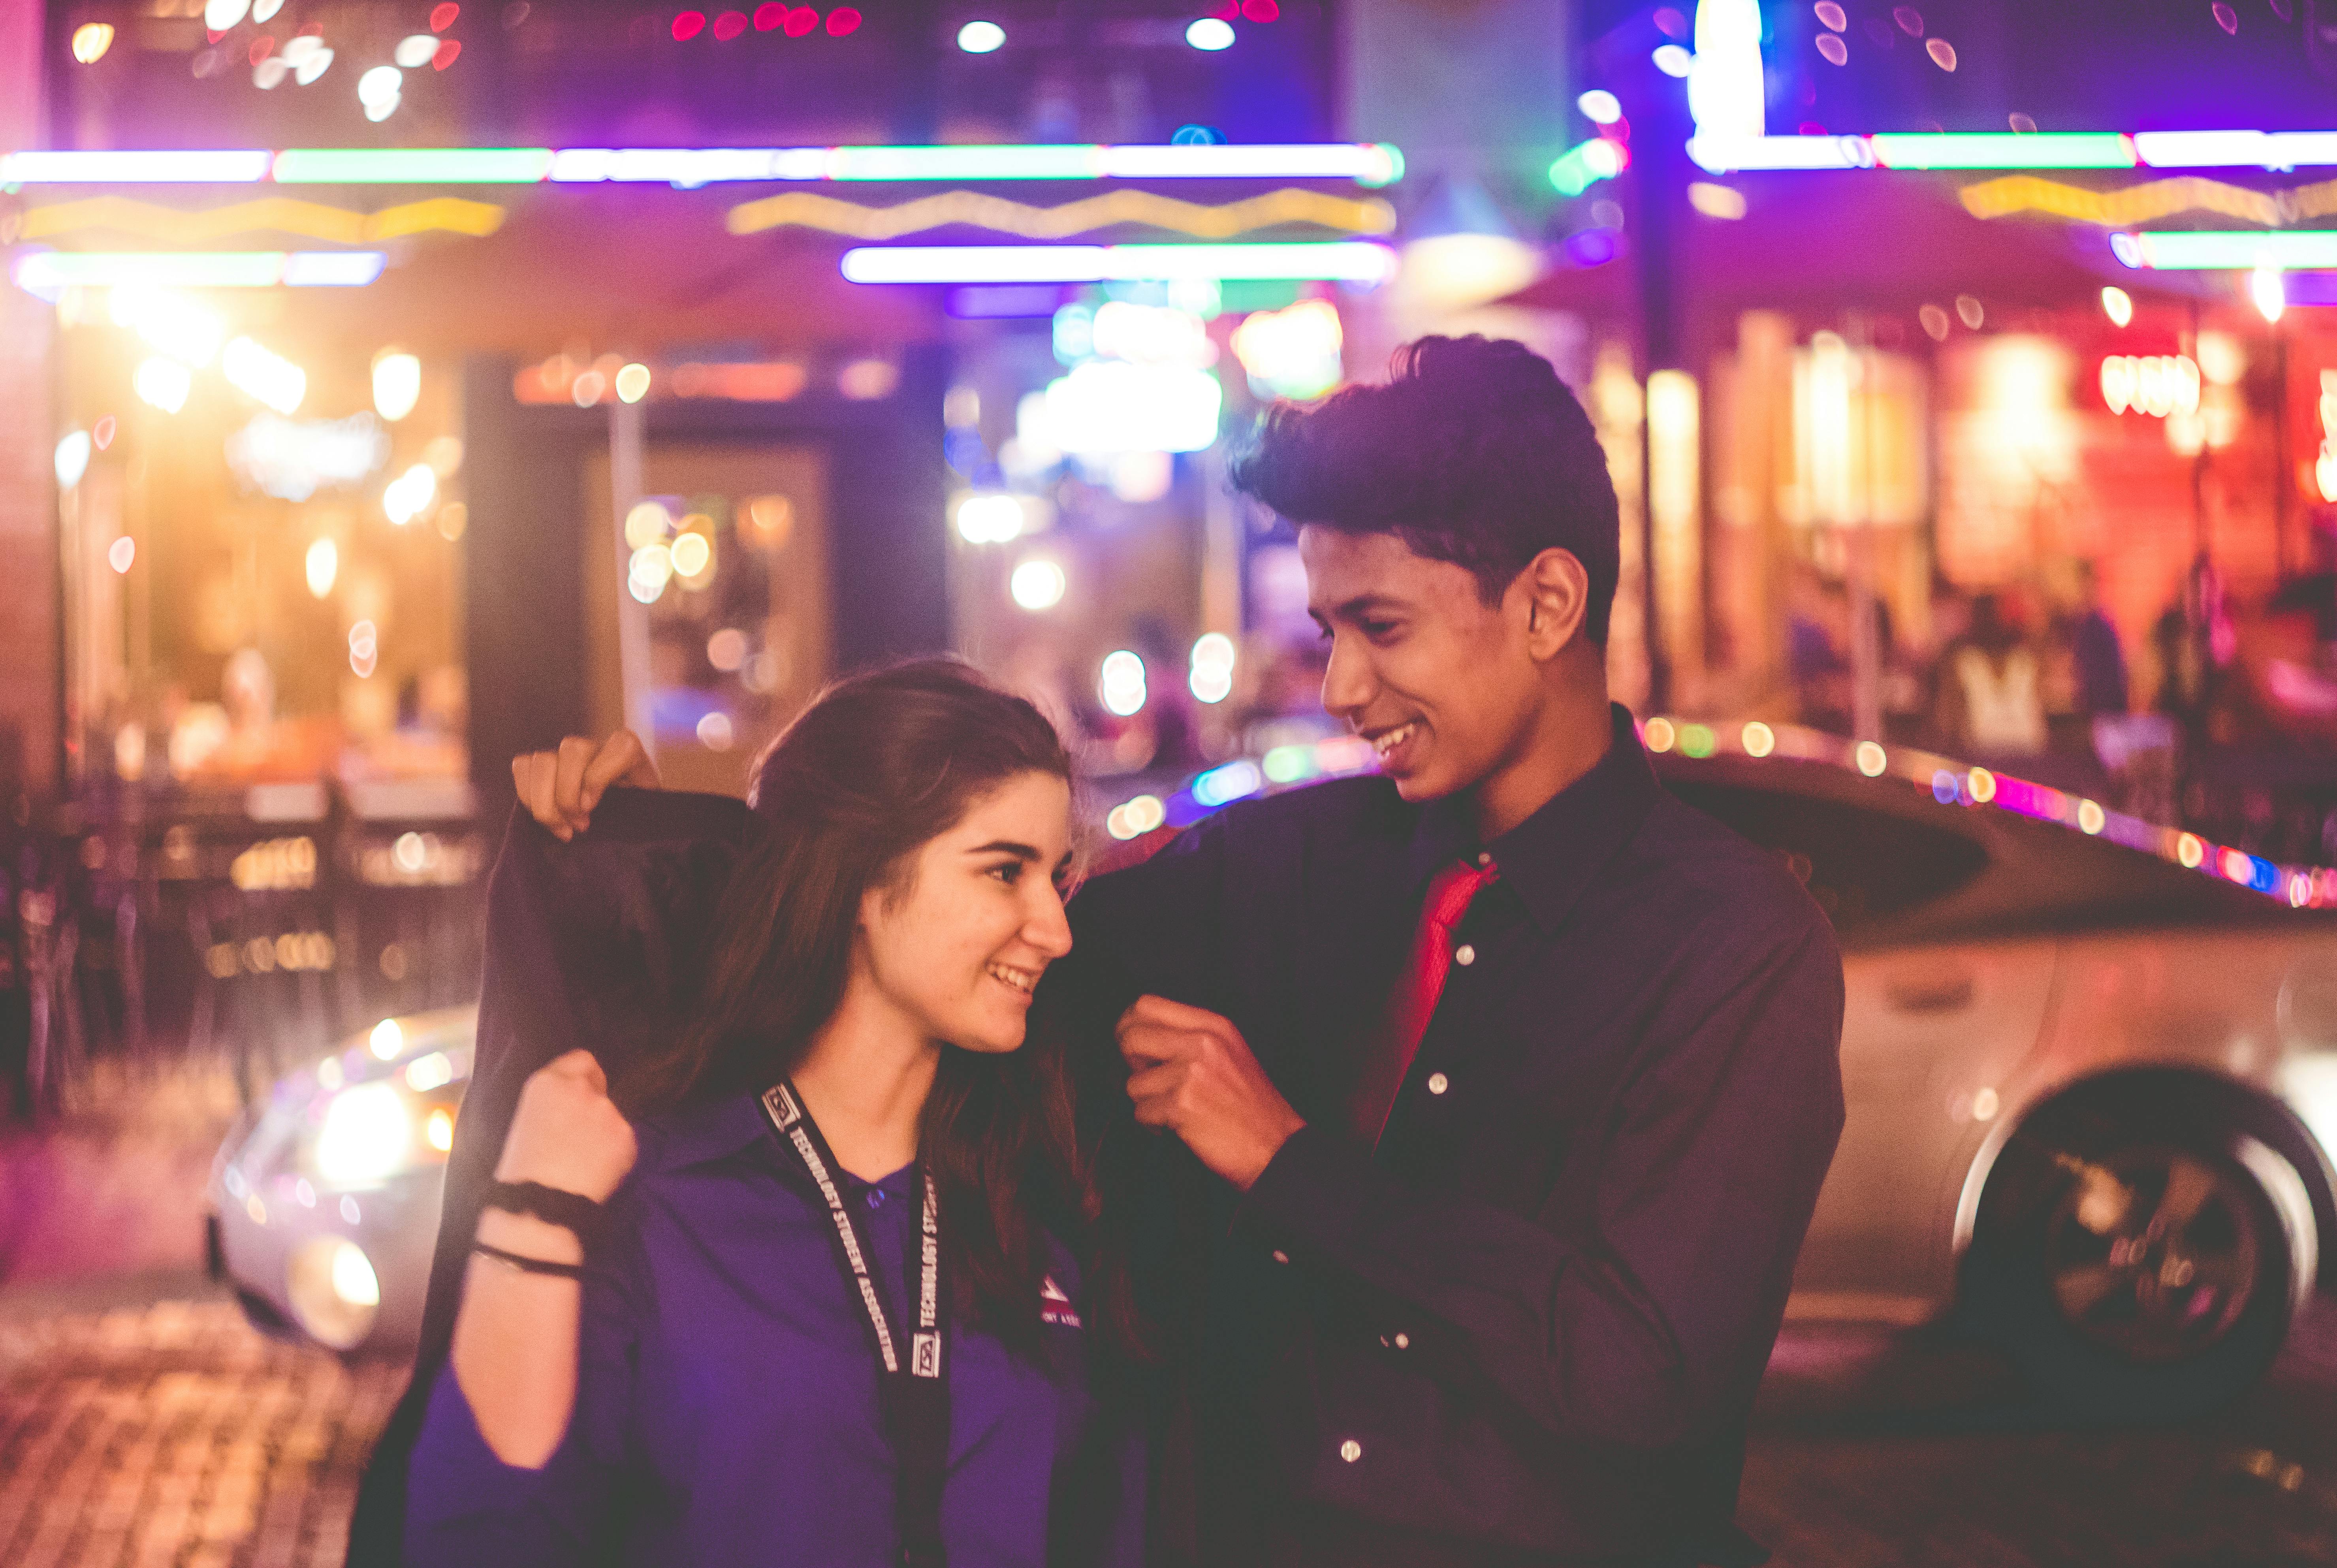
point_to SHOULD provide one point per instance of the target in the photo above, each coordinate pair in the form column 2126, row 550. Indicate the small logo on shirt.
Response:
column 1056, row 1307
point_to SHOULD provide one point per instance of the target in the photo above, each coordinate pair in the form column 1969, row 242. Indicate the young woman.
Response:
column 826, row 1304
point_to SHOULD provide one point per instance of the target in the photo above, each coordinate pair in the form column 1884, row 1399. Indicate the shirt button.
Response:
column 1438, row 1082
column 1464, row 954
column 1351, row 1450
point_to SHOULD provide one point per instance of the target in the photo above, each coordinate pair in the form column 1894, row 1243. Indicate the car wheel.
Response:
column 2135, row 1273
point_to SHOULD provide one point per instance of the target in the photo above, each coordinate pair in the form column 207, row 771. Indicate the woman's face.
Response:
column 958, row 946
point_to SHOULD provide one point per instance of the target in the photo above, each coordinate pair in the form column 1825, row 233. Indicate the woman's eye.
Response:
column 1010, row 873
column 1376, row 629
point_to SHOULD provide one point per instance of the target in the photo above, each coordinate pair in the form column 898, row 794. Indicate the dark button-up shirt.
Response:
column 728, row 1408
column 1528, row 1328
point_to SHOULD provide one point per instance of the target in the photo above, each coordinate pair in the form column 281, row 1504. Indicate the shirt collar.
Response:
column 1552, row 856
column 716, row 1129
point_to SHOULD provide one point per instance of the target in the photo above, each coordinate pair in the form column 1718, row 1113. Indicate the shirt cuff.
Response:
column 1315, row 1193
column 454, row 1474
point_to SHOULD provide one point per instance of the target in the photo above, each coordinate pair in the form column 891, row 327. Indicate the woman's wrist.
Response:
column 530, row 1237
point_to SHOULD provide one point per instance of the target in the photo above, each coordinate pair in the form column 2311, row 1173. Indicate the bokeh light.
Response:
column 91, row 40
column 71, row 458
column 1212, row 676
column 1210, row 33
column 1600, row 106
column 396, row 384
column 1120, row 685
column 322, row 566
column 164, row 383
column 980, row 37
column 120, row 553
column 989, row 518
column 1037, row 584
column 1672, row 60
column 2117, row 305
column 633, row 383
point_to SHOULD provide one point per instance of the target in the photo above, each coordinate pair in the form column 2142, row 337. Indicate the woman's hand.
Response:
column 560, row 788
column 567, row 1132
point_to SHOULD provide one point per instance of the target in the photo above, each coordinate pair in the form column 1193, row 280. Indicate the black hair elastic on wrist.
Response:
column 570, row 1211
column 530, row 1265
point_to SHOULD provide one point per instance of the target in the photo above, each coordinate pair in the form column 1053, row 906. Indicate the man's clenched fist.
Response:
column 1191, row 1072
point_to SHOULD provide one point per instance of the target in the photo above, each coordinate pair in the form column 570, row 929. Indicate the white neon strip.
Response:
column 1368, row 164
column 46, row 271
column 133, row 168
column 1344, row 261
column 2236, row 149
column 333, row 269
column 2288, row 249
column 688, row 166
column 1726, row 154
column 1365, row 163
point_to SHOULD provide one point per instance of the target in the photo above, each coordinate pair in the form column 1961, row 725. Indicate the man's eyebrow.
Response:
column 1007, row 847
column 1361, row 604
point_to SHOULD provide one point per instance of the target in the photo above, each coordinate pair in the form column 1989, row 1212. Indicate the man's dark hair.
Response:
column 1473, row 452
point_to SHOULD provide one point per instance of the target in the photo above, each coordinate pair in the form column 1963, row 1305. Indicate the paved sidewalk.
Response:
column 172, row 1436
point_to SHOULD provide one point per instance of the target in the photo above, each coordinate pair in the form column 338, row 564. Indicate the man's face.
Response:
column 1441, row 683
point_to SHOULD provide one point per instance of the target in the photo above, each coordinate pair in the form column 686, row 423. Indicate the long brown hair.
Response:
column 875, row 767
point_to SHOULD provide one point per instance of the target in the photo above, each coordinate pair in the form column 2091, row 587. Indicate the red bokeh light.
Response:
column 800, row 21
column 841, row 21
column 445, row 55
column 770, row 15
column 689, row 25
column 444, row 16
column 730, row 25
column 1260, row 10
column 261, row 48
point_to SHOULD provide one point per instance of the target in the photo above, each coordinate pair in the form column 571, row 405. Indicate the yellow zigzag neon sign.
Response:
column 335, row 225
column 2146, row 202
column 805, row 210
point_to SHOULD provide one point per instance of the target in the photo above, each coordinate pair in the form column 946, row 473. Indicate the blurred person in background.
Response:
column 838, row 1310
column 1502, row 1084
column 1992, row 686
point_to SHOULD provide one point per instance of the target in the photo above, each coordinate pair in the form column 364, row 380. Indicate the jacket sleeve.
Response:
column 1650, row 1330
column 466, row 1508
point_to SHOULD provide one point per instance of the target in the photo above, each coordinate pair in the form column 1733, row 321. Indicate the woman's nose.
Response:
column 1049, row 928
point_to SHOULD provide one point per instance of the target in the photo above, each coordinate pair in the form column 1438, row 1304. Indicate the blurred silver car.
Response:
column 2091, row 1066
column 324, row 1198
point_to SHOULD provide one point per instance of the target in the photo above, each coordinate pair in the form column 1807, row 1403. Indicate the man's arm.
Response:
column 1646, row 1331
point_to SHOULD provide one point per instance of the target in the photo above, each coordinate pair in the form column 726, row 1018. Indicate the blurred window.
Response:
column 1861, row 866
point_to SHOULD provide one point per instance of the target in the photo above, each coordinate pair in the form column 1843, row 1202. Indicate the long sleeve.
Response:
column 466, row 1508
column 1637, row 1329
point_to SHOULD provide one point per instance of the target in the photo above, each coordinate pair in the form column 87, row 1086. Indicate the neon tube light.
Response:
column 1726, row 154
column 46, row 270
column 413, row 166
column 2287, row 250
column 1364, row 162
column 1339, row 261
column 2236, row 149
column 2004, row 150
column 132, row 168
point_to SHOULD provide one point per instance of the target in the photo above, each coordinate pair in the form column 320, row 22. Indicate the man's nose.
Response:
column 1347, row 684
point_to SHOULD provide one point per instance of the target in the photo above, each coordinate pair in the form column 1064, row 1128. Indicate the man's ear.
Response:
column 1554, row 593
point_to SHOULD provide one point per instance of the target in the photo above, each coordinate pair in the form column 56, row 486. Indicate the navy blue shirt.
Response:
column 1527, row 1328
column 727, row 1406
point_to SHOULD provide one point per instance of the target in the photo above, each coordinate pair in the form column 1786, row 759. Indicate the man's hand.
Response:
column 1191, row 1072
column 560, row 788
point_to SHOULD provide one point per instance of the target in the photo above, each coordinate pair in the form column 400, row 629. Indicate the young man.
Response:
column 1501, row 1082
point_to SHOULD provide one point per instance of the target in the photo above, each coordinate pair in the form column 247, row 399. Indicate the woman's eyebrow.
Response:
column 1007, row 847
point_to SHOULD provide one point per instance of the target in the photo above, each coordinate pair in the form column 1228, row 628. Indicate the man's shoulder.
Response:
column 1709, row 876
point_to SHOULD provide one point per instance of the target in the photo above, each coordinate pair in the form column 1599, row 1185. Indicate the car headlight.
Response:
column 367, row 1135
column 334, row 1291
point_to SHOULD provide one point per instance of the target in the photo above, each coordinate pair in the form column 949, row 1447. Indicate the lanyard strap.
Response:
column 916, row 1397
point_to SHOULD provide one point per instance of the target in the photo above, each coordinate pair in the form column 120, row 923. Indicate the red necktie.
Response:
column 1415, row 1000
